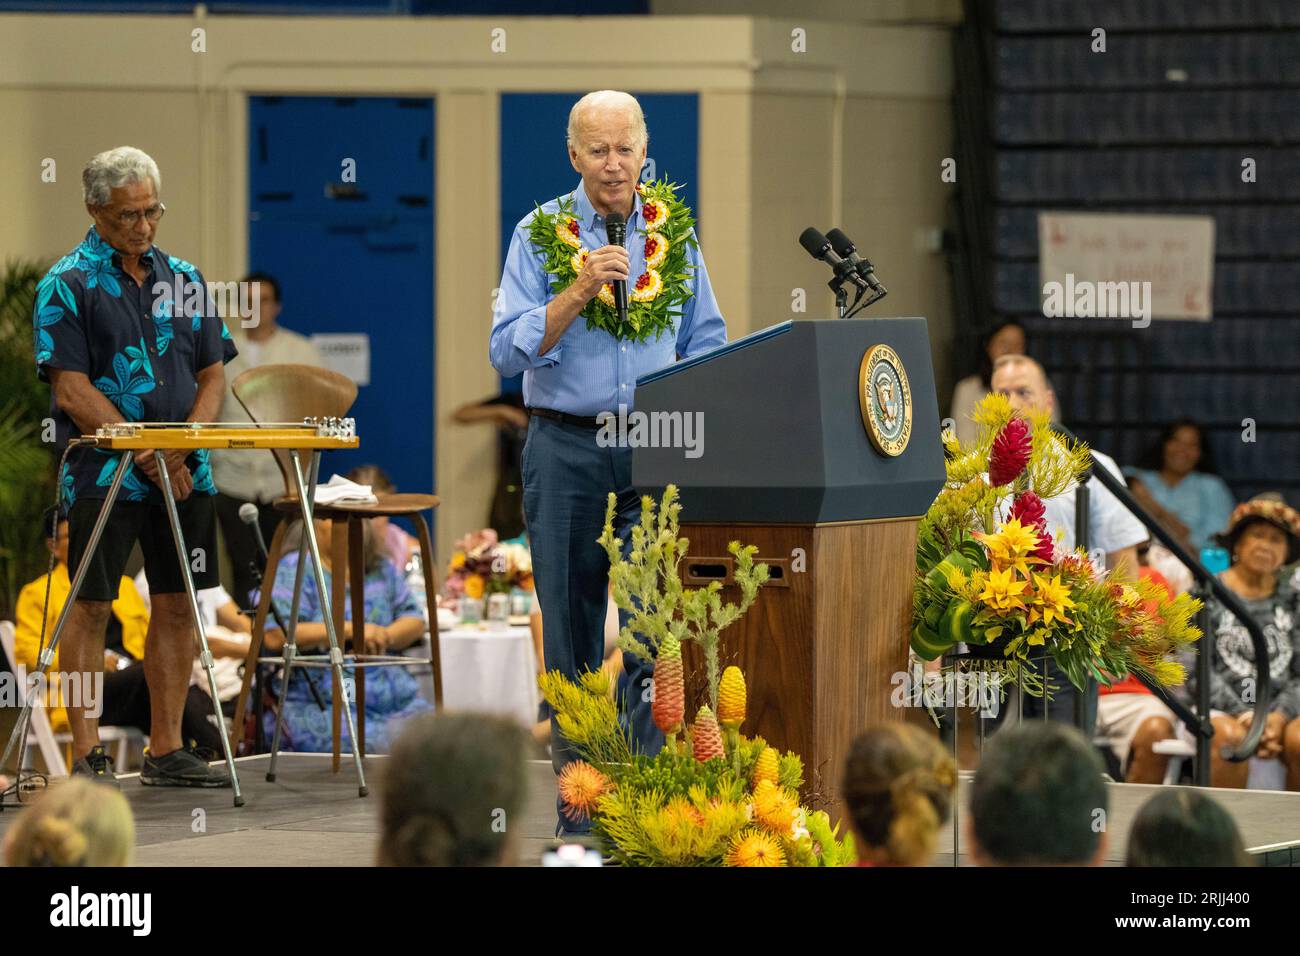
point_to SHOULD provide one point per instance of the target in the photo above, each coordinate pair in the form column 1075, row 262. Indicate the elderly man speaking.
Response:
column 116, row 346
column 573, row 372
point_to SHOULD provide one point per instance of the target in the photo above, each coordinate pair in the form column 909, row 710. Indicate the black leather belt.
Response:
column 593, row 423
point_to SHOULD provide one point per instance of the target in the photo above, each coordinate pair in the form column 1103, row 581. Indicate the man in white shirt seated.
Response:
column 243, row 476
column 1112, row 529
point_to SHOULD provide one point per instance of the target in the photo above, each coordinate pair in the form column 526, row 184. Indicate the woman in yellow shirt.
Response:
column 125, row 694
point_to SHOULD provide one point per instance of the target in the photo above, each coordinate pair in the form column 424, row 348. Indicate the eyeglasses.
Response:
column 132, row 216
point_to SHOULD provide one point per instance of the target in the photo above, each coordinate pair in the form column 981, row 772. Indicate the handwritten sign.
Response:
column 1173, row 253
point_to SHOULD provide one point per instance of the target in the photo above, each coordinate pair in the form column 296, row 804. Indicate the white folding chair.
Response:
column 50, row 744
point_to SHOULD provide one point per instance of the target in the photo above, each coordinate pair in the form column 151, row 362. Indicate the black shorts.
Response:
column 130, row 520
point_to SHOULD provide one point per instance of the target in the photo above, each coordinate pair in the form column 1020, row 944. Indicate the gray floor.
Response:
column 313, row 817
column 310, row 816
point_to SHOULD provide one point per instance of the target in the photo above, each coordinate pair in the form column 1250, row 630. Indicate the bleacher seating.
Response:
column 1158, row 123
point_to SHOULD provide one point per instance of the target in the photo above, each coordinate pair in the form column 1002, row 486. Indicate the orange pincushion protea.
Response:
column 731, row 698
column 752, row 847
column 649, row 285
column 656, row 250
column 579, row 259
column 707, row 736
column 655, row 214
column 669, row 705
column 567, row 230
column 766, row 768
column 581, row 787
column 774, row 808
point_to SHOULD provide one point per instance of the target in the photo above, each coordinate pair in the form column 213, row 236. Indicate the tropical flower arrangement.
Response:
column 711, row 796
column 990, row 574
column 655, row 297
column 481, row 564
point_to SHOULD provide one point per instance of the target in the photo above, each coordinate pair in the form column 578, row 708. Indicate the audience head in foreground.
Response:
column 454, row 788
column 77, row 823
column 1185, row 828
column 899, row 784
column 1038, row 799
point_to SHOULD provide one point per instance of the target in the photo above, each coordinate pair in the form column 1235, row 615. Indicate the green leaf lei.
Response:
column 645, row 316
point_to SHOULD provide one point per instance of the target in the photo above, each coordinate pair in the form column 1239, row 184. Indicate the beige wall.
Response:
column 845, row 133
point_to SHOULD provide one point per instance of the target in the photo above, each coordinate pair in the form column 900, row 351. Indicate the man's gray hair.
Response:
column 118, row 167
column 608, row 99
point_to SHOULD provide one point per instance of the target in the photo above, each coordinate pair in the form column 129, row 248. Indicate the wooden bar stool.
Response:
column 272, row 393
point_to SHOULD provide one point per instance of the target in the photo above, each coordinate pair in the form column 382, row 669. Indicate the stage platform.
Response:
column 313, row 817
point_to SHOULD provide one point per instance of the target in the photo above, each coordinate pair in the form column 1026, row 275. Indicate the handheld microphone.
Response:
column 819, row 247
column 248, row 515
column 616, row 234
column 845, row 248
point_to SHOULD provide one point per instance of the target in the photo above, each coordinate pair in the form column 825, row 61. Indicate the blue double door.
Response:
column 341, row 213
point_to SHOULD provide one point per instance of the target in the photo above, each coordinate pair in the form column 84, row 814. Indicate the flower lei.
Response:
column 656, row 296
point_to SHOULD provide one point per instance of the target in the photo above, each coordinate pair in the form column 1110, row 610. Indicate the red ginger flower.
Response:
column 1028, row 509
column 1010, row 452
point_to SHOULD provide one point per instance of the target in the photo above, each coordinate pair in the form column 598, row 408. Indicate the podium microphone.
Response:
column 248, row 515
column 616, row 233
column 845, row 248
column 819, row 247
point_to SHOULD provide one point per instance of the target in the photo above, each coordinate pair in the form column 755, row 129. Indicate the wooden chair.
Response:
column 289, row 393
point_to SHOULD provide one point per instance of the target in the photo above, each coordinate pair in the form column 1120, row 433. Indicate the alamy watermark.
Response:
column 193, row 300
column 948, row 689
column 633, row 429
column 1084, row 299
column 78, row 689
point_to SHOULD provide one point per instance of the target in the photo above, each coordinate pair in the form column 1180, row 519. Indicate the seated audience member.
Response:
column 77, row 823
column 1039, row 799
column 228, row 632
column 1006, row 338
column 453, row 789
column 507, row 413
column 1262, row 536
column 1178, row 484
column 899, row 784
column 398, row 546
column 393, row 623
column 1133, row 720
column 1185, row 828
column 125, row 690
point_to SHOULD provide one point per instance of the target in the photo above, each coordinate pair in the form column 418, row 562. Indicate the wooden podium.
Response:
column 788, row 463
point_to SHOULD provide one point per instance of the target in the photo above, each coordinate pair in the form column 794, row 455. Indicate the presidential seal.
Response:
column 885, row 399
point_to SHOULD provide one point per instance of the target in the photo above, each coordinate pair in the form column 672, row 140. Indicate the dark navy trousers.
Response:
column 567, row 480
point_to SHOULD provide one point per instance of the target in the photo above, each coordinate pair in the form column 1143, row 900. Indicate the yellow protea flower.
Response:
column 751, row 847
column 1050, row 600
column 647, row 286
column 656, row 250
column 581, row 786
column 775, row 809
column 567, row 230
column 731, row 698
column 1011, row 546
column 579, row 259
column 655, row 214
column 1002, row 592
column 606, row 294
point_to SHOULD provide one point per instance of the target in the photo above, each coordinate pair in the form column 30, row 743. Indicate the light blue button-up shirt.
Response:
column 589, row 371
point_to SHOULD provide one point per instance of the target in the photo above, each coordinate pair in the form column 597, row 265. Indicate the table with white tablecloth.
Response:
column 485, row 670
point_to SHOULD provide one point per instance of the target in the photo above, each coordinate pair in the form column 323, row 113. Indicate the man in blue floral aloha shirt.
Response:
column 125, row 332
